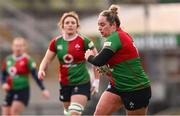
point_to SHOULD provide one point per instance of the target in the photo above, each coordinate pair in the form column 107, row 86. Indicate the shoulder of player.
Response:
column 123, row 35
column 56, row 38
column 9, row 57
column 114, row 36
column 27, row 57
column 83, row 37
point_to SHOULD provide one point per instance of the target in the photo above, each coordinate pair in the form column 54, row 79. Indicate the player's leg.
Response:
column 108, row 103
column 66, row 106
column 78, row 103
column 6, row 108
column 80, row 96
column 21, row 99
column 65, row 97
column 17, row 107
column 6, row 111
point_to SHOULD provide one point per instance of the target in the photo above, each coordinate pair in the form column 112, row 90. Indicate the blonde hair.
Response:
column 112, row 14
column 69, row 14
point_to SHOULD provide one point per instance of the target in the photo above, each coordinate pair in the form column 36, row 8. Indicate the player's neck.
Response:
column 69, row 37
column 17, row 56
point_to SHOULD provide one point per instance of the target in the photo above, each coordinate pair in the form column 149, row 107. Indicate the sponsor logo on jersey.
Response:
column 91, row 44
column 107, row 44
column 68, row 58
column 59, row 47
column 12, row 71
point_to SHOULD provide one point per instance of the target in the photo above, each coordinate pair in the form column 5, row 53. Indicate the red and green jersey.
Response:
column 18, row 69
column 127, row 72
column 71, row 57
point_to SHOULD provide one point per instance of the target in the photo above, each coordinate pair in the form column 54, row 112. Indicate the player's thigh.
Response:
column 6, row 110
column 141, row 111
column 108, row 103
column 81, row 94
column 17, row 107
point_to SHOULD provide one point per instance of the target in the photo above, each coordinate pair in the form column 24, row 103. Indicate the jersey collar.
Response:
column 71, row 39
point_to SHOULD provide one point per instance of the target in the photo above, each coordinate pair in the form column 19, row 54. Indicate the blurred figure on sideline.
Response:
column 74, row 79
column 15, row 70
column 129, row 86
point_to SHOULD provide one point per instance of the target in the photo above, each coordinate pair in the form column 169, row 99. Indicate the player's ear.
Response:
column 114, row 25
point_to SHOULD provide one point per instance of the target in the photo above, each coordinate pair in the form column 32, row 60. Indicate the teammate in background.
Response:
column 70, row 47
column 129, row 85
column 15, row 82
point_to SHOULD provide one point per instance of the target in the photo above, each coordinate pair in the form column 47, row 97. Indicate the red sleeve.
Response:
column 52, row 45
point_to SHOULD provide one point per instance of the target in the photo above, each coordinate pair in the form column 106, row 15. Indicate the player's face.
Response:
column 18, row 47
column 104, row 26
column 70, row 26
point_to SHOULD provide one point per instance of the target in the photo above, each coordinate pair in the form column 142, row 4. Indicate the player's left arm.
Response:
column 34, row 72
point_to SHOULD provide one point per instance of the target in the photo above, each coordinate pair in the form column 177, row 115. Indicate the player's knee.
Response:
column 75, row 109
column 15, row 111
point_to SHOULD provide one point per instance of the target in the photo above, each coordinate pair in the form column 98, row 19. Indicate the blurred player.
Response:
column 129, row 85
column 15, row 82
column 74, row 79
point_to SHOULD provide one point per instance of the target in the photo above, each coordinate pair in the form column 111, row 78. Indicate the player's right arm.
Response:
column 49, row 56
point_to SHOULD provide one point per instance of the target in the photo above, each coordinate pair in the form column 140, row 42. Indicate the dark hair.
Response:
column 112, row 15
column 69, row 14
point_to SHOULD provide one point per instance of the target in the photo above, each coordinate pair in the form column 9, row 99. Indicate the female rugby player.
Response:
column 129, row 85
column 15, row 82
column 74, row 79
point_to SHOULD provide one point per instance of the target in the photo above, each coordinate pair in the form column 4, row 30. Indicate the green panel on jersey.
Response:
column 88, row 44
column 20, row 81
column 113, row 42
column 78, row 74
column 9, row 62
column 31, row 63
column 130, row 76
column 62, row 49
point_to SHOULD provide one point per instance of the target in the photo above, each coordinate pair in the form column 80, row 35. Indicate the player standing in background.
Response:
column 129, row 85
column 70, row 47
column 15, row 82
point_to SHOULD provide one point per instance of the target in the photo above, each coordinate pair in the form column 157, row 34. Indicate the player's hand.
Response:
column 95, row 87
column 6, row 87
column 89, row 53
column 46, row 94
column 99, row 70
column 41, row 74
